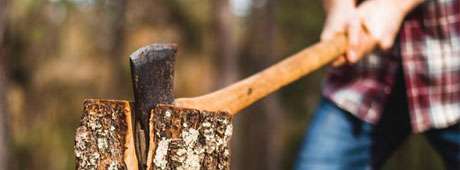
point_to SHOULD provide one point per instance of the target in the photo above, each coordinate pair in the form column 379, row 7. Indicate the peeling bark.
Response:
column 104, row 139
column 189, row 139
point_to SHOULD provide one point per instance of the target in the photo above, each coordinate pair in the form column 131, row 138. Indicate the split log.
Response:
column 189, row 139
column 104, row 139
column 180, row 138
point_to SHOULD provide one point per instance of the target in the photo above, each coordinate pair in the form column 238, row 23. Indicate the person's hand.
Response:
column 381, row 21
column 383, row 18
column 341, row 17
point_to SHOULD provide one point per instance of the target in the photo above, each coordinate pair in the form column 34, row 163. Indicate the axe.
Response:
column 160, row 132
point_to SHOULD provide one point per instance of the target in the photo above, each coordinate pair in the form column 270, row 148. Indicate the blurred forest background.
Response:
column 55, row 53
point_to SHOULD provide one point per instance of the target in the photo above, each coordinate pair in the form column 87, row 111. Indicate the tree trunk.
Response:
column 263, row 122
column 226, row 60
column 111, row 36
column 225, row 51
column 3, row 90
column 117, row 12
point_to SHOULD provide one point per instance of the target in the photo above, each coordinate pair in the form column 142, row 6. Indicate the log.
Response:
column 180, row 138
column 104, row 139
column 189, row 139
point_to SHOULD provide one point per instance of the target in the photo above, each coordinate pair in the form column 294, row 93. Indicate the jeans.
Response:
column 336, row 140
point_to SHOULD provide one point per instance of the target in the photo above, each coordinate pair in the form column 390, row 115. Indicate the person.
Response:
column 410, row 83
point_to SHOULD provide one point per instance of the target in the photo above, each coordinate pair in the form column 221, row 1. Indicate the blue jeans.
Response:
column 336, row 140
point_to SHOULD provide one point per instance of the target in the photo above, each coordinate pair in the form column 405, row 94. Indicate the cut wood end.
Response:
column 104, row 139
column 184, row 138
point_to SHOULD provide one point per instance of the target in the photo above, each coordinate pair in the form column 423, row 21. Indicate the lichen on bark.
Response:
column 100, row 139
column 190, row 139
column 185, row 139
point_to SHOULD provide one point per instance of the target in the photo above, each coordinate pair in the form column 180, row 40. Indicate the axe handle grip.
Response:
column 240, row 95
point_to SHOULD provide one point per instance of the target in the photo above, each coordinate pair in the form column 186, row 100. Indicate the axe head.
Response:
column 189, row 138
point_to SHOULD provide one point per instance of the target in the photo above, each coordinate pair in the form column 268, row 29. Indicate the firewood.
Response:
column 104, row 139
column 188, row 139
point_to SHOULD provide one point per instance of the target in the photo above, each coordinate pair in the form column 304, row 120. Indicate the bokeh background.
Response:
column 55, row 53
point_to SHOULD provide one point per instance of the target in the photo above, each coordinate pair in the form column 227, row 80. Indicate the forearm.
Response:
column 405, row 6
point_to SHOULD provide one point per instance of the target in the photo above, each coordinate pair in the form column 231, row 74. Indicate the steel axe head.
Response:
column 177, row 137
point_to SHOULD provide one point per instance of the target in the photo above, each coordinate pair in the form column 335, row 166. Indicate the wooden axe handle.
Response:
column 241, row 94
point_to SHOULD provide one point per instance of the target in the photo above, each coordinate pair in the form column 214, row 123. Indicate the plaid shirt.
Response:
column 428, row 50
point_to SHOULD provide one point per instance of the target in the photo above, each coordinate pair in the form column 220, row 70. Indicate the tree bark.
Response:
column 182, row 139
column 189, row 139
column 105, row 138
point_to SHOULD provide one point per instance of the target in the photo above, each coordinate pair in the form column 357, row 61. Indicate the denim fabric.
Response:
column 447, row 143
column 336, row 140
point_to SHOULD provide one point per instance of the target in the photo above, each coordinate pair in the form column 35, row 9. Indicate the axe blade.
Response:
column 152, row 73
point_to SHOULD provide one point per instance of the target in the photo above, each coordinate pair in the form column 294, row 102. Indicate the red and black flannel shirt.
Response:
column 428, row 50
